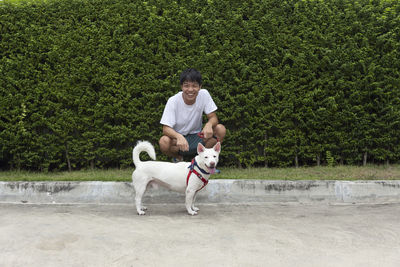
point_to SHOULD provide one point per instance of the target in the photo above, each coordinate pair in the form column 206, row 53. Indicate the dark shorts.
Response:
column 193, row 140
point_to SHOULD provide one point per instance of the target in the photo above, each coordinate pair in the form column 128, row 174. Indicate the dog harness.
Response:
column 193, row 170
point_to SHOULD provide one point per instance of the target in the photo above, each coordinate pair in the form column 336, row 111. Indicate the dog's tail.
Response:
column 140, row 147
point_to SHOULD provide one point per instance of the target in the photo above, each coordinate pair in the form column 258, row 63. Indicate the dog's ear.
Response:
column 200, row 148
column 217, row 147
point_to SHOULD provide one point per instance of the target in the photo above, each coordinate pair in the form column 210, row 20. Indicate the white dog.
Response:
column 185, row 177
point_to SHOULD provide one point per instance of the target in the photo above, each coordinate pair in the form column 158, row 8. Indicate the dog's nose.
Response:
column 212, row 164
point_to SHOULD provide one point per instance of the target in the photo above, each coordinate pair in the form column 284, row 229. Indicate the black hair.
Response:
column 191, row 75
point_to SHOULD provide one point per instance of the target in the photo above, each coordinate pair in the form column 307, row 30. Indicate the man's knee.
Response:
column 168, row 146
column 165, row 143
column 220, row 131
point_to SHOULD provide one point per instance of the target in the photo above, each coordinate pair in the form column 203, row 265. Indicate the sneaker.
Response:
column 176, row 160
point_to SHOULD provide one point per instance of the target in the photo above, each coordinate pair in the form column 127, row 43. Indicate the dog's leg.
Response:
column 194, row 200
column 140, row 189
column 190, row 193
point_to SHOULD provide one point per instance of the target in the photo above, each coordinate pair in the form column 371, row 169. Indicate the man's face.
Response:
column 190, row 90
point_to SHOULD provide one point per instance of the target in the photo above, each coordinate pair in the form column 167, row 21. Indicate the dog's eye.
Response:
column 206, row 157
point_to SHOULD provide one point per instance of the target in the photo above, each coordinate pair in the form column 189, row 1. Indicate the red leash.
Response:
column 201, row 135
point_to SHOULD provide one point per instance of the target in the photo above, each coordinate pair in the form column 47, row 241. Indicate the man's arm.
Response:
column 181, row 142
column 211, row 123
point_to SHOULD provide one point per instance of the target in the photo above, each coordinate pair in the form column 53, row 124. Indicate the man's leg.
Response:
column 168, row 147
column 193, row 140
column 219, row 132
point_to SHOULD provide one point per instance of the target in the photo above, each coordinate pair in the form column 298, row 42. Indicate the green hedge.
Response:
column 296, row 82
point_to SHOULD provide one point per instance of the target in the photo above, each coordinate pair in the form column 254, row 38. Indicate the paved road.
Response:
column 221, row 235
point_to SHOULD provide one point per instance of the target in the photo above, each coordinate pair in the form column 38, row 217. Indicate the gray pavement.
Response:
column 260, row 234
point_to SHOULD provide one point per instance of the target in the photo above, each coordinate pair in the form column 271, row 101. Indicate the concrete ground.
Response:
column 221, row 235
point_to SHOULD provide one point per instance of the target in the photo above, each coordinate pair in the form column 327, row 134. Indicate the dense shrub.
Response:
column 296, row 82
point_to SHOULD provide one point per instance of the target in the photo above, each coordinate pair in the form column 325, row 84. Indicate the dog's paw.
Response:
column 143, row 208
column 192, row 212
column 195, row 209
column 141, row 212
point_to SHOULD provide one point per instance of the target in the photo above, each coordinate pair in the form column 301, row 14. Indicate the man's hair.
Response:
column 191, row 75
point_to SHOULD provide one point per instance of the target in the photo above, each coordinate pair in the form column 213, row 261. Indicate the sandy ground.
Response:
column 221, row 235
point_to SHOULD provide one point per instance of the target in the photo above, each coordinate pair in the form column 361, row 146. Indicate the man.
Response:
column 182, row 119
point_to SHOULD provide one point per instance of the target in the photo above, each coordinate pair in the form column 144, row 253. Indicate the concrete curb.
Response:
column 217, row 191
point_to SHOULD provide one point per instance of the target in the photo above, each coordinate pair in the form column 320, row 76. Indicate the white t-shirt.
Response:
column 187, row 119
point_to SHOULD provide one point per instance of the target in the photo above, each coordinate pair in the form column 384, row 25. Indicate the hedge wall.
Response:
column 296, row 82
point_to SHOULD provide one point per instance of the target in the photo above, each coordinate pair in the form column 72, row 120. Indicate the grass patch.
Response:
column 370, row 172
column 315, row 173
column 84, row 175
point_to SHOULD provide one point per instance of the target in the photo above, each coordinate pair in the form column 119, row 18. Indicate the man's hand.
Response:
column 182, row 143
column 208, row 128
column 208, row 131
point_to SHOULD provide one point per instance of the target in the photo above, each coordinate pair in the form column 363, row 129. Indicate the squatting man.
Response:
column 182, row 119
